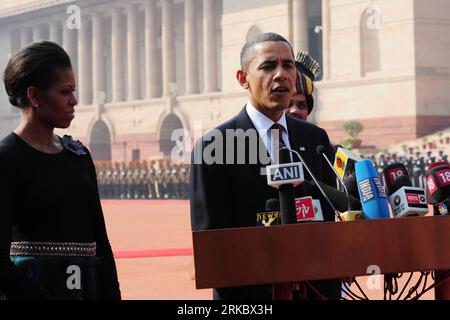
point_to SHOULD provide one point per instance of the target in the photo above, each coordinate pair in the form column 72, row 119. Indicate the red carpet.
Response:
column 154, row 253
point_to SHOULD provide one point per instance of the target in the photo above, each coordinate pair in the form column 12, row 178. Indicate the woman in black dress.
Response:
column 53, row 240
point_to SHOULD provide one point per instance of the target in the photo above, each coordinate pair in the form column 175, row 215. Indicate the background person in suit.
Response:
column 230, row 195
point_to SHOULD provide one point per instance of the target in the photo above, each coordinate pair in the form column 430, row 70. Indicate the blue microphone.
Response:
column 371, row 191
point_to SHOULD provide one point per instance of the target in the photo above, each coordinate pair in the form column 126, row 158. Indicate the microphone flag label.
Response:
column 289, row 173
column 394, row 173
column 444, row 177
column 305, row 209
column 431, row 185
column 443, row 208
column 267, row 219
column 371, row 188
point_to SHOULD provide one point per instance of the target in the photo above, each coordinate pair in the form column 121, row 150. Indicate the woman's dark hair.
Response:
column 34, row 65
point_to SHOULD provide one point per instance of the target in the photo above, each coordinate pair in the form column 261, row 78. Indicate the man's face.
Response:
column 299, row 107
column 270, row 77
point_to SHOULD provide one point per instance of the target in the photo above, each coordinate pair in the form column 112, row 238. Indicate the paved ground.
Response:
column 153, row 247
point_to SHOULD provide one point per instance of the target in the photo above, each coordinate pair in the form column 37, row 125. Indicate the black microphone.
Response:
column 339, row 198
column 273, row 205
column 438, row 188
column 286, row 192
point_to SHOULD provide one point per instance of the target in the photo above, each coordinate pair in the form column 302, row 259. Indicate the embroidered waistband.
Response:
column 59, row 249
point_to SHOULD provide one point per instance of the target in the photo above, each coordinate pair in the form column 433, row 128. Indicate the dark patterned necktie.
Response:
column 280, row 129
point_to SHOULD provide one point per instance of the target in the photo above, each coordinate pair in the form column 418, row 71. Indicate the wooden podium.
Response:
column 319, row 251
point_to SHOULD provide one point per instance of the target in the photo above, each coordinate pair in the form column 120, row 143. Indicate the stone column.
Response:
column 209, row 46
column 326, row 38
column 38, row 33
column 69, row 43
column 25, row 36
column 14, row 40
column 152, row 80
column 300, row 23
column 133, row 54
column 84, row 63
column 117, row 56
column 168, row 47
column 55, row 32
column 98, row 59
column 191, row 51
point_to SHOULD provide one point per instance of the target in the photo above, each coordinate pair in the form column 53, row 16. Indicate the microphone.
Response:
column 371, row 191
column 271, row 216
column 319, row 186
column 407, row 200
column 284, row 176
column 438, row 189
column 390, row 174
column 438, row 184
column 350, row 213
column 437, row 164
column 273, row 205
column 344, row 162
column 321, row 151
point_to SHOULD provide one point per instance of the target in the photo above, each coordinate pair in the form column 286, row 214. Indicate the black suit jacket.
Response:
column 230, row 195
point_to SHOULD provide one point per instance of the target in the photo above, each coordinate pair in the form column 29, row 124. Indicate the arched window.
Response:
column 370, row 25
column 100, row 142
column 170, row 123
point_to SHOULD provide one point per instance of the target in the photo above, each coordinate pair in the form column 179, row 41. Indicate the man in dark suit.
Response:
column 227, row 186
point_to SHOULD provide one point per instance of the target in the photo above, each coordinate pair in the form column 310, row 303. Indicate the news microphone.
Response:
column 271, row 216
column 321, row 151
column 437, row 191
column 284, row 176
column 437, row 164
column 337, row 214
column 344, row 162
column 438, row 184
column 352, row 212
column 273, row 205
column 406, row 200
column 337, row 197
column 390, row 174
column 372, row 193
column 352, row 186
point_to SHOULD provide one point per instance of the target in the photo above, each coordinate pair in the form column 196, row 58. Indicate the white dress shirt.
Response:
column 263, row 125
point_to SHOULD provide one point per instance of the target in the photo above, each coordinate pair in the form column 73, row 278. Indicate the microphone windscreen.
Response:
column 273, row 205
column 321, row 150
column 284, row 155
column 437, row 164
column 371, row 191
column 352, row 187
column 338, row 198
column 438, row 184
column 390, row 174
column 402, row 181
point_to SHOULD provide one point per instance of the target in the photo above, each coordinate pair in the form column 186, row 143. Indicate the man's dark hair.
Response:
column 246, row 51
column 34, row 65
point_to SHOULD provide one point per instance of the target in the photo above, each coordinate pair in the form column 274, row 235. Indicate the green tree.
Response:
column 352, row 128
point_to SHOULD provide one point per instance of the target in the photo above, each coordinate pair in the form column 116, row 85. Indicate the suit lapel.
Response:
column 295, row 137
column 244, row 122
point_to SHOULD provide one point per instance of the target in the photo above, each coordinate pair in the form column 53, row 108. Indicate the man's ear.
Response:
column 241, row 77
